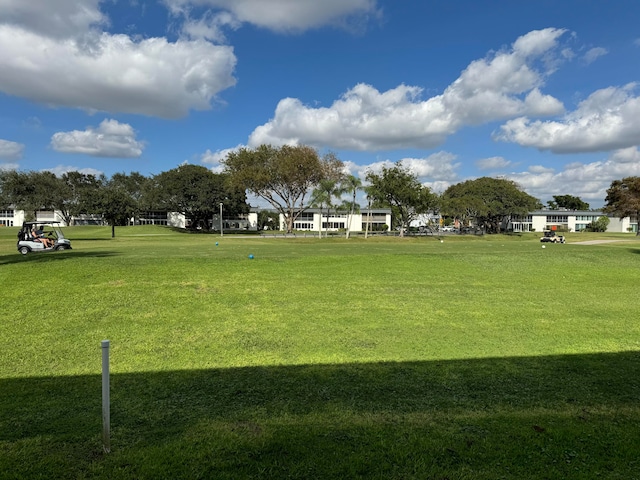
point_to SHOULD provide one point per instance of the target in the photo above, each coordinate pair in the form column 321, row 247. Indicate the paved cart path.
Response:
column 596, row 242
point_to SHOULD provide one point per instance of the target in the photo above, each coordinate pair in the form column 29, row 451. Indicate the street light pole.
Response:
column 221, row 231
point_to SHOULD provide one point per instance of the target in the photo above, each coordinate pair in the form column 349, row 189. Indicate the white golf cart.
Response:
column 41, row 237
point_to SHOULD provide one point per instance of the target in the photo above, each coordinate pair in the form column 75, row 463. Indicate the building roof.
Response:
column 324, row 210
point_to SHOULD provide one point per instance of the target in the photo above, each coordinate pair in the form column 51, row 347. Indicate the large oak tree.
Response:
column 396, row 187
column 567, row 201
column 30, row 191
column 490, row 202
column 283, row 176
column 78, row 194
column 197, row 192
column 623, row 199
column 115, row 204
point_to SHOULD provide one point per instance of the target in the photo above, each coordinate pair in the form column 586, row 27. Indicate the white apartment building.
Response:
column 570, row 221
column 313, row 220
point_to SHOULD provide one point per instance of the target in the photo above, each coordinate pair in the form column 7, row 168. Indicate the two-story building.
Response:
column 313, row 220
column 569, row 221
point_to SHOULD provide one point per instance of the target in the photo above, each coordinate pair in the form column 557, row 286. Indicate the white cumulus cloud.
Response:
column 210, row 26
column 109, row 139
column 501, row 86
column 53, row 18
column 10, row 150
column 437, row 167
column 588, row 181
column 54, row 52
column 60, row 170
column 606, row 120
column 287, row 15
column 593, row 54
column 492, row 163
column 215, row 158
column 9, row 166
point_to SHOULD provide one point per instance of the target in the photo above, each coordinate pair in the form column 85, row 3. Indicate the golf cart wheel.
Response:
column 60, row 248
column 24, row 250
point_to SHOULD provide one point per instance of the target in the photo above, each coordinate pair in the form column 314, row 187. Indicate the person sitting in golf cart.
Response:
column 38, row 236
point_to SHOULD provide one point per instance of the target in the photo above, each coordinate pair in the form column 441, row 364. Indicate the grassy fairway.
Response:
column 386, row 358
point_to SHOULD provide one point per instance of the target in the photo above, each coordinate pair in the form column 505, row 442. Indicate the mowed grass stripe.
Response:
column 300, row 300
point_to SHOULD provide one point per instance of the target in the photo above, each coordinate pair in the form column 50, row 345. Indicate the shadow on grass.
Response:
column 571, row 416
column 45, row 257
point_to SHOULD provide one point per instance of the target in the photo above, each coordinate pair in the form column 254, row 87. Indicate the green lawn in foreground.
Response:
column 479, row 357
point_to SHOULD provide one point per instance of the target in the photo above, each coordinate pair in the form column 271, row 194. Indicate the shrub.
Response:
column 599, row 225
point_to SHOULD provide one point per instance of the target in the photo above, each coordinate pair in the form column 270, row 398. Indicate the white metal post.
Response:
column 106, row 414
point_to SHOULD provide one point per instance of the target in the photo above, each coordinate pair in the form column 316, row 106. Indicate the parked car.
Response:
column 41, row 237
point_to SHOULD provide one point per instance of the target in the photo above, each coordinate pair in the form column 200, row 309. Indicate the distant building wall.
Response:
column 569, row 220
column 314, row 220
column 11, row 218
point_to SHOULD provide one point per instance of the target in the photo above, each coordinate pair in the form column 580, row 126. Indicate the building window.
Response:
column 557, row 218
column 308, row 216
column 522, row 227
column 334, row 225
column 44, row 215
column 303, row 226
column 153, row 218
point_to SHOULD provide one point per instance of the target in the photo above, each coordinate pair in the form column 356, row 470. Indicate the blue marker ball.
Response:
column 251, row 256
column 216, row 244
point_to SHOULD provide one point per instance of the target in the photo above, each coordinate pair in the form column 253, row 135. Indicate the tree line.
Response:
column 290, row 179
column 195, row 191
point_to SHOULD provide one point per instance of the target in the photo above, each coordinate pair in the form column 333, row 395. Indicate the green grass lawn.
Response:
column 479, row 357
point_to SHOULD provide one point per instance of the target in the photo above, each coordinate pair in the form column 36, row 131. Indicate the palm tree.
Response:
column 351, row 184
column 368, row 193
column 323, row 195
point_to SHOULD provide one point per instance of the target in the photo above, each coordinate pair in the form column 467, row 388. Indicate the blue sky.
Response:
column 545, row 93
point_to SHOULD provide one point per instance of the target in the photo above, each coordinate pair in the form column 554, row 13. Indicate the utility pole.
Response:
column 221, row 231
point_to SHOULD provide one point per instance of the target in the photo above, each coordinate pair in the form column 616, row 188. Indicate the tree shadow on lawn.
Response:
column 45, row 257
column 569, row 416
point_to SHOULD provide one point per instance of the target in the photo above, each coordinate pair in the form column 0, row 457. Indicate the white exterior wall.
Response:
column 252, row 218
column 175, row 219
column 538, row 222
column 14, row 219
column 358, row 220
column 316, row 223
column 576, row 222
column 49, row 216
column 623, row 225
column 357, row 225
